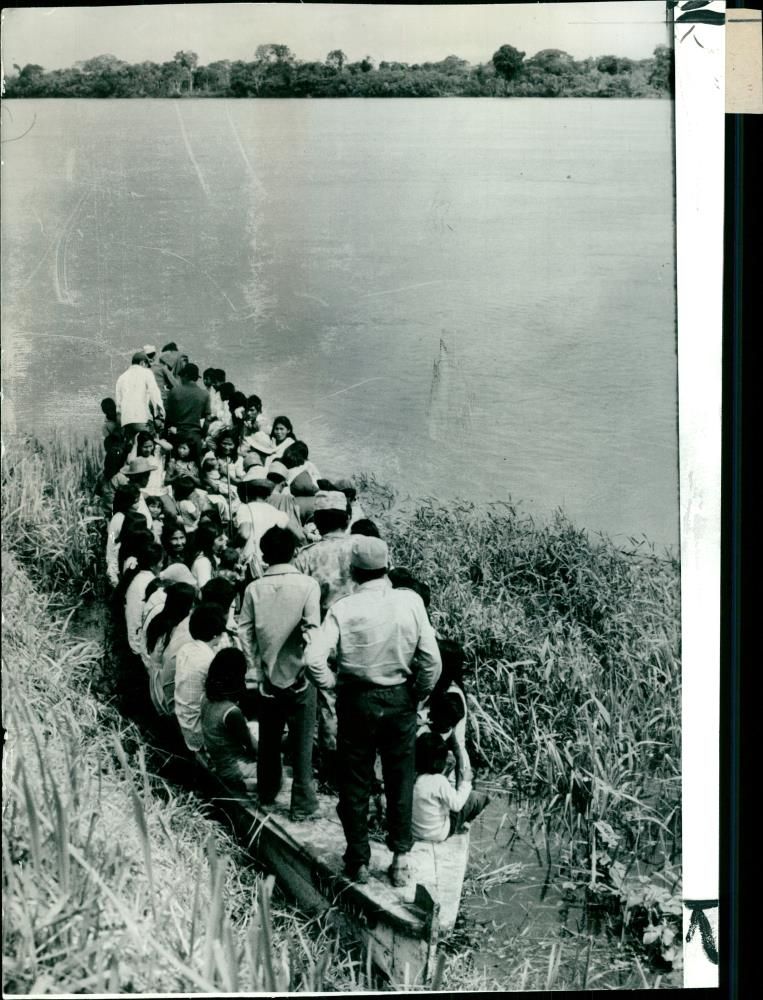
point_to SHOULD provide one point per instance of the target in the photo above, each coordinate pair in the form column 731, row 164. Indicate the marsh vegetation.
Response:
column 114, row 879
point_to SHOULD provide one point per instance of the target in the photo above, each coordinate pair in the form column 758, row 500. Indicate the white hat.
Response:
column 255, row 472
column 262, row 443
column 149, row 349
column 178, row 573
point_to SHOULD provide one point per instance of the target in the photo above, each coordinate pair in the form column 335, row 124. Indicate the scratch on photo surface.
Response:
column 404, row 288
column 365, row 381
column 71, row 158
column 55, row 244
column 315, row 298
column 171, row 253
column 90, row 341
column 39, row 220
column 15, row 138
column 196, row 166
column 60, row 275
column 240, row 145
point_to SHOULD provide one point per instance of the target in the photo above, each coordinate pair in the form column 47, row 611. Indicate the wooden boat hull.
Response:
column 400, row 928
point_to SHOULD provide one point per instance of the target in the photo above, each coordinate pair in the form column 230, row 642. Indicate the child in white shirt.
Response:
column 439, row 809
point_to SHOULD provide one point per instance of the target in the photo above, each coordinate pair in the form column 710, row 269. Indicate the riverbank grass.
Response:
column 109, row 886
column 112, row 878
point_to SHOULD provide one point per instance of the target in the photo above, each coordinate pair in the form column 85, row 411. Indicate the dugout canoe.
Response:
column 400, row 927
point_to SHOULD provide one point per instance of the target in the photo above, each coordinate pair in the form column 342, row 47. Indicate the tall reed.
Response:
column 107, row 886
column 573, row 680
column 52, row 520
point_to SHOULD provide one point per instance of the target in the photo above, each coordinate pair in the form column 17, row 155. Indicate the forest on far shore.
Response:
column 276, row 72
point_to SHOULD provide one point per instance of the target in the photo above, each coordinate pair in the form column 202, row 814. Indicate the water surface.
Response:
column 321, row 252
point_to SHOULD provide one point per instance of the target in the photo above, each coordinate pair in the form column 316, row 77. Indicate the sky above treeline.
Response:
column 57, row 37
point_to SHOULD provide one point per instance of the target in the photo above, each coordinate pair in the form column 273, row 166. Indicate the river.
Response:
column 469, row 297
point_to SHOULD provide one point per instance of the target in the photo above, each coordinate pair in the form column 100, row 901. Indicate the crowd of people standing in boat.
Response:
column 253, row 597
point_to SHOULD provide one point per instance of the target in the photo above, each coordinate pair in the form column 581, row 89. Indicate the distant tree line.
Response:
column 275, row 72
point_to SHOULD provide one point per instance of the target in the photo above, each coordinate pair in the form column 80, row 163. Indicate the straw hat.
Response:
column 178, row 573
column 137, row 466
column 255, row 473
column 262, row 443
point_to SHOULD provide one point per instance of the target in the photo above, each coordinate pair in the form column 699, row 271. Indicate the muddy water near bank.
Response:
column 525, row 912
column 513, row 886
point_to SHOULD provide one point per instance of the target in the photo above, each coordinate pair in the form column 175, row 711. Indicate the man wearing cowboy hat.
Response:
column 137, row 396
column 137, row 472
column 383, row 646
column 260, row 444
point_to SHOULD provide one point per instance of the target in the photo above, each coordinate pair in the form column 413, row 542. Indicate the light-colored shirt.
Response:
column 191, row 670
column 309, row 467
column 136, row 592
column 218, row 407
column 376, row 636
column 328, row 561
column 164, row 690
column 151, row 608
column 136, row 393
column 112, row 548
column 252, row 521
column 202, row 569
column 433, row 800
column 276, row 611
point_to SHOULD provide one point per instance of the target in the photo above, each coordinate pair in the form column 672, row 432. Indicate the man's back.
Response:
column 187, row 405
column 274, row 610
column 135, row 389
column 379, row 631
column 191, row 666
column 328, row 562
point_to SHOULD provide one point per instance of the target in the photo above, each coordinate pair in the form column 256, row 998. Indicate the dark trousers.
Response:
column 469, row 811
column 372, row 719
column 295, row 709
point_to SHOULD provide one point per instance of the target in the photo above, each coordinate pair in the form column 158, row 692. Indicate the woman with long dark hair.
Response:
column 282, row 435
column 148, row 564
column 125, row 499
column 227, row 737
column 174, row 541
column 177, row 608
column 209, row 542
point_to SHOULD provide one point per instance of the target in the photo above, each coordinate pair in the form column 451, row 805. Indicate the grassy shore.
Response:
column 111, row 878
column 574, row 690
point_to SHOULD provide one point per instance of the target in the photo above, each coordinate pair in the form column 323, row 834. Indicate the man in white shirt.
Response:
column 384, row 646
column 137, row 396
column 255, row 516
column 439, row 808
column 207, row 628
